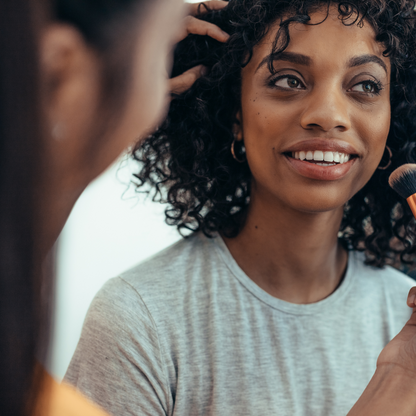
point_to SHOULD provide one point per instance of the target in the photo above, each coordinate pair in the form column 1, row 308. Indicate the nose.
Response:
column 327, row 109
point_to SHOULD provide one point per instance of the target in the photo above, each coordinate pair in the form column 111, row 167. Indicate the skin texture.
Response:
column 288, row 245
column 72, row 72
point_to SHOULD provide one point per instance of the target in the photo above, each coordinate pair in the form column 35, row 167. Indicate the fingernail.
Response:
column 204, row 70
column 225, row 34
column 412, row 299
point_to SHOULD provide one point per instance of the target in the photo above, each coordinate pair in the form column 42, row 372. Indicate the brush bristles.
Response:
column 403, row 180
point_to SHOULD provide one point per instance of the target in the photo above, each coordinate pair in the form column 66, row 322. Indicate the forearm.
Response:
column 391, row 392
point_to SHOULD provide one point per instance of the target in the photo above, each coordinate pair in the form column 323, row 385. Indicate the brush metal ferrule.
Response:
column 412, row 203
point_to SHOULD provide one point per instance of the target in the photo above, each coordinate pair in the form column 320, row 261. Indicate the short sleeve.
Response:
column 118, row 361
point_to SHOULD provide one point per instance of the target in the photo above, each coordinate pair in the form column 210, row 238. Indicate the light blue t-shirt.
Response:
column 187, row 332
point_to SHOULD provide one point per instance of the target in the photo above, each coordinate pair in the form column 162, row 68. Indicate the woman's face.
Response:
column 72, row 73
column 315, row 131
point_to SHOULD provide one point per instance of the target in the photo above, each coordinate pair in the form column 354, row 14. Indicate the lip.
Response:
column 329, row 145
column 321, row 173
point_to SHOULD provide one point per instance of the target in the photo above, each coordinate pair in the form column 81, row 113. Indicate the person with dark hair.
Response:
column 80, row 81
column 282, row 300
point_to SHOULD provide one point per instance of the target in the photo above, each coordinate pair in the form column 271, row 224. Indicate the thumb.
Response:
column 411, row 297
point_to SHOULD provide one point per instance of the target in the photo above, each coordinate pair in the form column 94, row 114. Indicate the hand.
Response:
column 401, row 350
column 192, row 25
column 391, row 390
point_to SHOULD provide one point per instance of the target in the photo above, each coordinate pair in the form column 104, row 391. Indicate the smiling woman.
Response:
column 277, row 155
column 310, row 98
column 354, row 84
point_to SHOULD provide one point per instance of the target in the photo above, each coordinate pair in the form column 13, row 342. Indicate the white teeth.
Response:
column 320, row 156
column 328, row 157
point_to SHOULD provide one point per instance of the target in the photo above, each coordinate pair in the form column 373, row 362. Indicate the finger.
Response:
column 411, row 297
column 199, row 27
column 204, row 6
column 183, row 82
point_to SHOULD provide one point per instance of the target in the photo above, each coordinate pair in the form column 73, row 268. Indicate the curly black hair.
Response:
column 188, row 164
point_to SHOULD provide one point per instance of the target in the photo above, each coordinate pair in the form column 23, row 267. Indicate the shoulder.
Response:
column 117, row 315
column 396, row 280
column 181, row 255
column 387, row 277
column 163, row 282
column 386, row 285
column 179, row 267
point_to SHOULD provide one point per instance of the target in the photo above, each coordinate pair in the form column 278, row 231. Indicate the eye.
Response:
column 367, row 87
column 288, row 82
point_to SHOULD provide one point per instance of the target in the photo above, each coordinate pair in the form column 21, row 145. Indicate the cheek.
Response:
column 264, row 124
column 374, row 129
column 151, row 92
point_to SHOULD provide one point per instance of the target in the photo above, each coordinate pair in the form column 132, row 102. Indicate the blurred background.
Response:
column 111, row 229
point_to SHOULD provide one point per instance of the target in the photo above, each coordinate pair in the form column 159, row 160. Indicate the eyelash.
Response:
column 273, row 81
column 377, row 86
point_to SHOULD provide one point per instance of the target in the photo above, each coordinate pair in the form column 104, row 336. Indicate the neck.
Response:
column 292, row 255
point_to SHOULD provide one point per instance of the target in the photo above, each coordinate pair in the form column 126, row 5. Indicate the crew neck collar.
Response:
column 291, row 308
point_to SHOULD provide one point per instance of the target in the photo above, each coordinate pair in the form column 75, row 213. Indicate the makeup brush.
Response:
column 403, row 181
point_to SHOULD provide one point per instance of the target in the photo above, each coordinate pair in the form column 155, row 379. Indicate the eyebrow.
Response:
column 294, row 58
column 299, row 59
column 365, row 59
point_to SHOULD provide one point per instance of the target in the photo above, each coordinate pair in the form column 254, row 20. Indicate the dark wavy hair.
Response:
column 188, row 164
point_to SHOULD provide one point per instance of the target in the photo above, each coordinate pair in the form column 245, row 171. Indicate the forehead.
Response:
column 326, row 40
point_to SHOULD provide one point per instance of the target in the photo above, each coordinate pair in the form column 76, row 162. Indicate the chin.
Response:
column 318, row 202
column 318, row 209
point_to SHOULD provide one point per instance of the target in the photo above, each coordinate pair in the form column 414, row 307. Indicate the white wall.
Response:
column 110, row 229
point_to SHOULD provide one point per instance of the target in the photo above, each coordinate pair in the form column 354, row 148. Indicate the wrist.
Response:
column 391, row 392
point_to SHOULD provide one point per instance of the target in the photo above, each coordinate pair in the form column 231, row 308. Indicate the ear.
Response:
column 238, row 127
column 59, row 44
column 63, row 51
column 70, row 74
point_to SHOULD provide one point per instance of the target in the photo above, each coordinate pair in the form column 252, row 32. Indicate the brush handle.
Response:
column 412, row 203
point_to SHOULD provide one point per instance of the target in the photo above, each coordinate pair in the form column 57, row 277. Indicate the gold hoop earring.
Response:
column 389, row 162
column 243, row 150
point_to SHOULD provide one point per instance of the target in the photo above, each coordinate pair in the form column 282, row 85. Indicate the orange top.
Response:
column 63, row 400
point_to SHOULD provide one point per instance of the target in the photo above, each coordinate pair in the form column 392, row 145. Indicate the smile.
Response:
column 321, row 165
column 326, row 158
column 321, row 159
